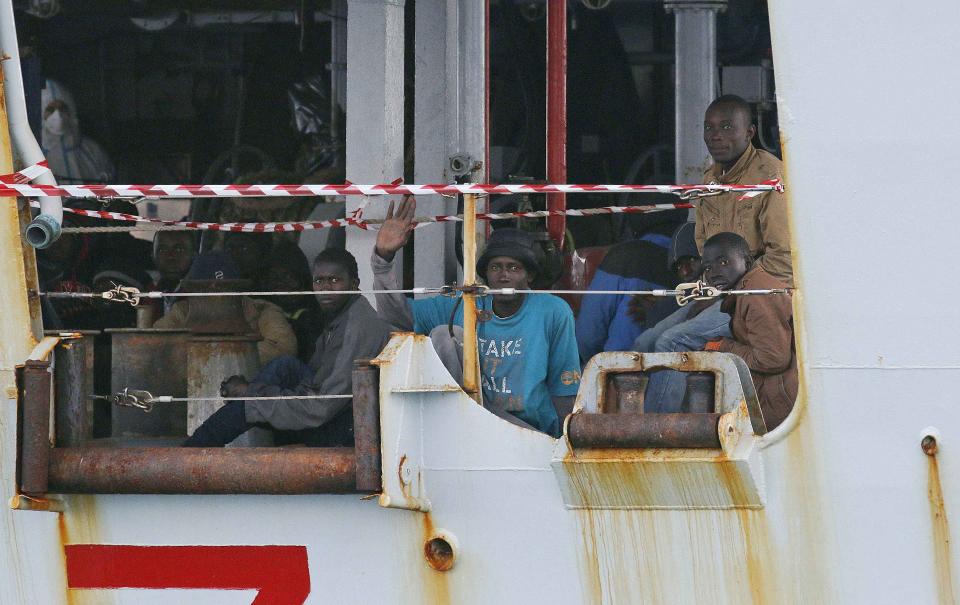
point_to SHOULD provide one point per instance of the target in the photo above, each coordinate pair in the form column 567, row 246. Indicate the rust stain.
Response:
column 943, row 560
column 730, row 476
column 79, row 524
column 436, row 586
column 64, row 540
column 757, row 555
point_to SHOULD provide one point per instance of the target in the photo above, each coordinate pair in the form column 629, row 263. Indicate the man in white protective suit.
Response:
column 74, row 159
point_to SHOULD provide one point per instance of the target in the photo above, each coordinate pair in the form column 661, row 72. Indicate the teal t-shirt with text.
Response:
column 524, row 359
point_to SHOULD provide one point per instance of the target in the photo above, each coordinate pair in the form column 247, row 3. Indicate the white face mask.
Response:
column 54, row 123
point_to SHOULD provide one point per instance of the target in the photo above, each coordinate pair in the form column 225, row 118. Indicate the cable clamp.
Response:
column 122, row 294
column 696, row 193
column 697, row 290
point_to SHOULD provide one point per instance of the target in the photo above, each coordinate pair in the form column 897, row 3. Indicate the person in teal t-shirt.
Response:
column 529, row 362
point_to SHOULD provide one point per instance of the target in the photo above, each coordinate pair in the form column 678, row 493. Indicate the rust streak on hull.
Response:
column 943, row 560
column 436, row 587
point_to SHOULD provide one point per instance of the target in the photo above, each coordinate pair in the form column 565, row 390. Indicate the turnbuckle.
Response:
column 697, row 290
column 130, row 398
column 452, row 290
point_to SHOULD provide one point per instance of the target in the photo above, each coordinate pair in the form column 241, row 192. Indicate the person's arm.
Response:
column 766, row 343
column 563, row 366
column 596, row 314
column 359, row 342
column 775, row 231
column 278, row 336
column 176, row 317
column 700, row 227
column 392, row 308
column 393, row 235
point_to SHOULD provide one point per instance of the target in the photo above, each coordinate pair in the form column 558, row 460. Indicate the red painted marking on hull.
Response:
column 279, row 573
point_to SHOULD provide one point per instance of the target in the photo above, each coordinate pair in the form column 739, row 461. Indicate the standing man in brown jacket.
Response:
column 762, row 325
column 761, row 219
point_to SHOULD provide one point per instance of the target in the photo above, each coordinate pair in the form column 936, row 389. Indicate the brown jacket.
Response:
column 265, row 317
column 761, row 220
column 762, row 328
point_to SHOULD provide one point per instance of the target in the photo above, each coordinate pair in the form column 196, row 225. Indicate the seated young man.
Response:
column 604, row 322
column 612, row 323
column 351, row 330
column 686, row 329
column 762, row 326
column 529, row 365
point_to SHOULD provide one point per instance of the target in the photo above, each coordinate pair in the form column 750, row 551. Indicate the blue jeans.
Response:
column 229, row 422
column 676, row 333
column 284, row 372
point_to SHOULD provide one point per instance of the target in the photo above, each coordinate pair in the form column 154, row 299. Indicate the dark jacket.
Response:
column 604, row 322
column 762, row 328
column 354, row 333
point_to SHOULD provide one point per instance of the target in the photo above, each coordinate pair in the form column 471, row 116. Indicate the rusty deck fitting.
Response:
column 35, row 434
column 366, row 425
column 156, row 470
column 645, row 430
column 73, row 379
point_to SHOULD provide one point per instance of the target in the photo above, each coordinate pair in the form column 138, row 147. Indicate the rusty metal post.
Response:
column 211, row 360
column 73, row 380
column 35, row 444
column 645, row 430
column 155, row 361
column 624, row 393
column 169, row 470
column 366, row 425
column 471, row 364
column 699, row 397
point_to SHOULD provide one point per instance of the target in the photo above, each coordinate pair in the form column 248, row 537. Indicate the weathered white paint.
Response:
column 449, row 119
column 866, row 125
column 375, row 111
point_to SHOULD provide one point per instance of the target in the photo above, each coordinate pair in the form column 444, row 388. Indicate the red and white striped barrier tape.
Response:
column 363, row 224
column 26, row 175
column 14, row 185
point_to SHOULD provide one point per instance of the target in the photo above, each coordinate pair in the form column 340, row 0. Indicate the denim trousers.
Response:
column 676, row 333
column 230, row 421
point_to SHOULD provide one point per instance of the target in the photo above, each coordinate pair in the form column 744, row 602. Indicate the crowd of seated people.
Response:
column 531, row 348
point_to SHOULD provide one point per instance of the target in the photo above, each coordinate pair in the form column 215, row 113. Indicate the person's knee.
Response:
column 442, row 337
column 675, row 340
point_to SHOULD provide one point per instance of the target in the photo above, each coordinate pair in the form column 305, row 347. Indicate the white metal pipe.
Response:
column 45, row 229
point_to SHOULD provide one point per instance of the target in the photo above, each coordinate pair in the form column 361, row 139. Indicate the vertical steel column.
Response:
column 366, row 425
column 338, row 69
column 35, row 449
column 449, row 120
column 557, row 113
column 695, row 80
column 471, row 367
column 374, row 110
column 73, row 414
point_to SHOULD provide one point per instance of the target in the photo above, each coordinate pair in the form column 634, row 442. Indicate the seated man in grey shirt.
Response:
column 351, row 330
